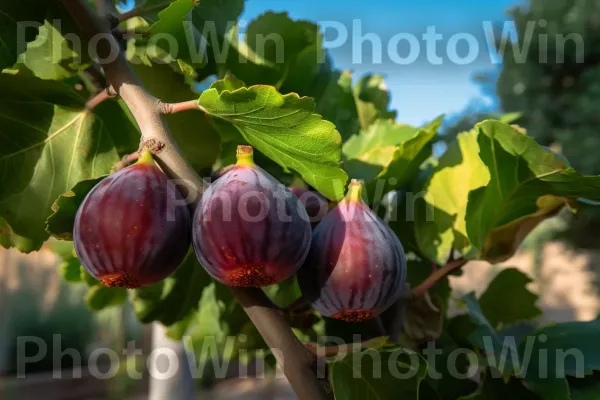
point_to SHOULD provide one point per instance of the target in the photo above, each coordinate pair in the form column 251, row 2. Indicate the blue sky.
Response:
column 421, row 90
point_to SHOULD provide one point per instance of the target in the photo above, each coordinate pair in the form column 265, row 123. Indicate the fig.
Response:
column 248, row 229
column 356, row 265
column 316, row 205
column 131, row 230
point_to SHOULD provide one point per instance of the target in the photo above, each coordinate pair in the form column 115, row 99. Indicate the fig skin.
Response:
column 356, row 266
column 316, row 205
column 129, row 231
column 248, row 229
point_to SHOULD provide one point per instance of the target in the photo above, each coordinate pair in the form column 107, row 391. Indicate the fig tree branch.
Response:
column 297, row 362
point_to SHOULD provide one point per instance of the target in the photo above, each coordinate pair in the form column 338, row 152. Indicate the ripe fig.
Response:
column 356, row 266
column 316, row 205
column 248, row 229
column 129, row 231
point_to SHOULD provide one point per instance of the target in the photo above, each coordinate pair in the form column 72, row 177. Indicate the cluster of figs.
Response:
column 247, row 230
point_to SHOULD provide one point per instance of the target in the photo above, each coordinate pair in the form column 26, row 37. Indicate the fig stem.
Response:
column 145, row 157
column 245, row 156
column 355, row 191
column 299, row 366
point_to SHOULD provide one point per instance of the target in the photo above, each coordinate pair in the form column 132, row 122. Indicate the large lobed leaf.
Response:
column 175, row 23
column 278, row 51
column 50, row 143
column 372, row 373
column 388, row 155
column 496, row 388
column 507, row 300
column 286, row 129
column 336, row 102
column 441, row 224
column 189, row 301
column 528, row 183
column 372, row 100
column 61, row 222
column 18, row 20
column 172, row 299
column 49, row 55
column 560, row 351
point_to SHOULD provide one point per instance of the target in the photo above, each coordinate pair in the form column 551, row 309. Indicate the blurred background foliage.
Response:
column 551, row 76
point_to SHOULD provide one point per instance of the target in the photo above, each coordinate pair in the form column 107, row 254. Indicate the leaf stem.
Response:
column 172, row 108
column 97, row 99
column 146, row 109
column 436, row 276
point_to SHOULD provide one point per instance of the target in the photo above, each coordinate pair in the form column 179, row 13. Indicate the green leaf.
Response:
column 60, row 223
column 229, row 83
column 423, row 318
column 384, row 133
column 49, row 56
column 8, row 238
column 502, row 310
column 479, row 319
column 286, row 129
column 216, row 16
column 498, row 389
column 484, row 336
column 278, row 51
column 100, row 297
column 70, row 270
column 528, row 184
column 174, row 298
column 20, row 21
column 70, row 267
column 88, row 279
column 396, row 374
column 585, row 389
column 400, row 217
column 196, row 137
column 570, row 349
column 219, row 319
column 117, row 119
column 550, row 389
column 444, row 205
column 285, row 293
column 372, row 100
column 336, row 103
column 175, row 23
column 50, row 143
column 388, row 155
column 509, row 118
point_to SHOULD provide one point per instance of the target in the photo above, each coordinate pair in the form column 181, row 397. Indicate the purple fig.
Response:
column 316, row 205
column 356, row 266
column 129, row 231
column 248, row 229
